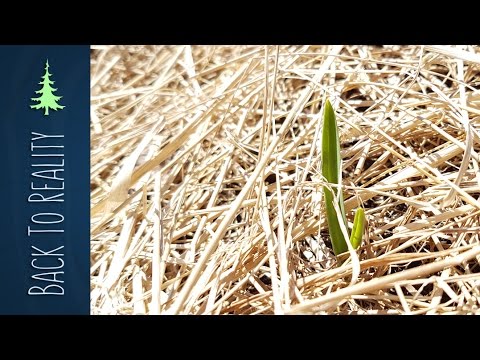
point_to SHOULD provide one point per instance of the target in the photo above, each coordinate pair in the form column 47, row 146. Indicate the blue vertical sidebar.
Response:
column 44, row 238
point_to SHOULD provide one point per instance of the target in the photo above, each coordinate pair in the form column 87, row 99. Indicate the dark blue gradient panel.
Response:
column 44, row 180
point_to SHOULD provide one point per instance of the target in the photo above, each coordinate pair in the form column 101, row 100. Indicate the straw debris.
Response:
column 206, row 185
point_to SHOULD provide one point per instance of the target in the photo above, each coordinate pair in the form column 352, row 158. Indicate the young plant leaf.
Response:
column 331, row 170
column 358, row 228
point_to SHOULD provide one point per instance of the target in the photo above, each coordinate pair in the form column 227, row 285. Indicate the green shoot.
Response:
column 331, row 171
column 358, row 227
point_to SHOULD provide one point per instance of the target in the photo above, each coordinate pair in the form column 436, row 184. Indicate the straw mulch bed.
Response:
column 206, row 186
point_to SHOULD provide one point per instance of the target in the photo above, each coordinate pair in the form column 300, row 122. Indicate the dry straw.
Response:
column 206, row 182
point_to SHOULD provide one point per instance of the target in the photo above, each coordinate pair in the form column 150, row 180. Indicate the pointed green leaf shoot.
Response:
column 331, row 171
column 331, row 163
column 358, row 228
